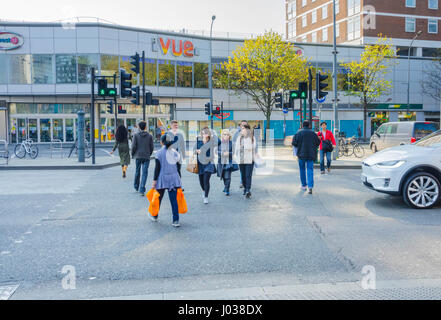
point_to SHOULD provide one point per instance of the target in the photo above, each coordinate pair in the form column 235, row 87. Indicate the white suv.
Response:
column 412, row 171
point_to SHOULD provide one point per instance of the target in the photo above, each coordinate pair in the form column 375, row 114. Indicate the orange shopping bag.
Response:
column 182, row 203
column 153, row 197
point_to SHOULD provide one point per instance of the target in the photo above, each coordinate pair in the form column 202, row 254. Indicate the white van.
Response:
column 395, row 133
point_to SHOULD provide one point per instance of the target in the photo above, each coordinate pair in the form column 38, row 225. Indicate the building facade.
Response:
column 45, row 79
column 359, row 22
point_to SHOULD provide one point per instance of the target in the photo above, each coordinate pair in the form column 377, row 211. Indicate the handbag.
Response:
column 327, row 146
column 153, row 197
column 192, row 166
column 182, row 203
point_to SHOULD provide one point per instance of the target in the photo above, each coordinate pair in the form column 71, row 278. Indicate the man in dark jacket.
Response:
column 142, row 149
column 306, row 143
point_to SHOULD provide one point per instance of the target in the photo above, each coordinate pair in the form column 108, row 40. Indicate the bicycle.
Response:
column 26, row 147
column 349, row 147
column 87, row 152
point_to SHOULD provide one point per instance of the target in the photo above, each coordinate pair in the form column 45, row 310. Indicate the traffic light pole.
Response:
column 143, row 85
column 310, row 96
column 222, row 115
column 92, row 116
column 115, row 103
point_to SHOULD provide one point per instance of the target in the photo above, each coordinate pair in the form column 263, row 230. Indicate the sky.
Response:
column 235, row 16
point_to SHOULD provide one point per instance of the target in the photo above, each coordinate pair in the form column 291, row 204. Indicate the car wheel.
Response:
column 421, row 190
column 374, row 148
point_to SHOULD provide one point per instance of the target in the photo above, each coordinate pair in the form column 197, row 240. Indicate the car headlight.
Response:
column 390, row 164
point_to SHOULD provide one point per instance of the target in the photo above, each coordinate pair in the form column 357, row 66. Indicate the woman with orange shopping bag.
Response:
column 166, row 176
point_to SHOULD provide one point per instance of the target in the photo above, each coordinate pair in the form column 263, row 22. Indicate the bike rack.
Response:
column 4, row 153
column 57, row 147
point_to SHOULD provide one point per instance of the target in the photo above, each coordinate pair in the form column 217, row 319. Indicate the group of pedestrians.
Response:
column 306, row 143
column 236, row 153
column 233, row 153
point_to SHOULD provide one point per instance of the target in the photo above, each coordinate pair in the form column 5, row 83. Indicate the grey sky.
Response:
column 237, row 16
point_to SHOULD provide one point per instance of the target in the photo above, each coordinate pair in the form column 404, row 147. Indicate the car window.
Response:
column 430, row 141
column 392, row 129
column 382, row 129
column 423, row 129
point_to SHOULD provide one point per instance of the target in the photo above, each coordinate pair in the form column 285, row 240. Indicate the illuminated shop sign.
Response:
column 10, row 41
column 177, row 47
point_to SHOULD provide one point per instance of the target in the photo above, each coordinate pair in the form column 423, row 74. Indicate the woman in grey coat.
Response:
column 122, row 143
column 166, row 175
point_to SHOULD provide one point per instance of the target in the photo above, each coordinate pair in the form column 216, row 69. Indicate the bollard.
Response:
column 81, row 136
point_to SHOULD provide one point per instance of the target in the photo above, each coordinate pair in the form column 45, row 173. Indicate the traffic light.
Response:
column 121, row 110
column 102, row 87
column 294, row 94
column 149, row 101
column 125, row 84
column 320, row 85
column 303, row 90
column 217, row 110
column 134, row 61
column 110, row 107
column 208, row 108
column 148, row 98
column 135, row 95
column 111, row 92
column 279, row 100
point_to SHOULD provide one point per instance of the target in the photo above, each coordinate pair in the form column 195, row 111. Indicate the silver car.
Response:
column 396, row 133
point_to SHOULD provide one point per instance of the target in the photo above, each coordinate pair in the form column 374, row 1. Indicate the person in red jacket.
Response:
column 327, row 142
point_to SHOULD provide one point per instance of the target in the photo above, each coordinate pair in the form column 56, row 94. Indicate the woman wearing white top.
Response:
column 245, row 153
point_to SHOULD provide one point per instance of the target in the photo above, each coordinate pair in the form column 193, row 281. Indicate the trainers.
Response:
column 322, row 172
column 303, row 188
column 309, row 191
column 142, row 194
column 248, row 195
column 205, row 200
column 154, row 219
column 227, row 193
column 329, row 170
column 176, row 224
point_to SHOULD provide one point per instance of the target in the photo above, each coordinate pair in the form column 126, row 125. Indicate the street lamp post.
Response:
column 210, row 71
column 408, row 70
column 334, row 83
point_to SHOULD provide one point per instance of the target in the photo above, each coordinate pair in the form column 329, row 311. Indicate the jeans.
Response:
column 322, row 160
column 172, row 195
column 226, row 176
column 204, row 180
column 246, row 173
column 307, row 165
column 142, row 167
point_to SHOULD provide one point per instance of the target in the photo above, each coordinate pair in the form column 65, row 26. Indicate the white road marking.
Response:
column 7, row 291
column 5, row 252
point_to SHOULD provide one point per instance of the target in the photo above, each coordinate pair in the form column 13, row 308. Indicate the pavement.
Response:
column 60, row 160
column 92, row 227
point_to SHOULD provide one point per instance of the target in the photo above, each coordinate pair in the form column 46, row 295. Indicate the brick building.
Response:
column 360, row 21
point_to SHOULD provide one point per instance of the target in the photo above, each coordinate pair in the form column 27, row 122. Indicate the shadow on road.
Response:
column 394, row 207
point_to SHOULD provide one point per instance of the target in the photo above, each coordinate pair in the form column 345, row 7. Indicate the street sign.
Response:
column 285, row 111
column 321, row 100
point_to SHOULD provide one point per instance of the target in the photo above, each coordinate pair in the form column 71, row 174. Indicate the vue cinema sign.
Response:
column 177, row 47
column 9, row 41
